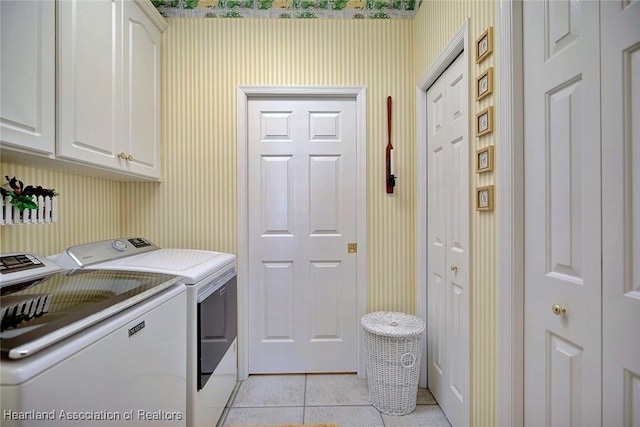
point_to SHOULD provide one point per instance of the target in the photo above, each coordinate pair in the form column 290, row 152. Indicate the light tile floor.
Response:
column 320, row 398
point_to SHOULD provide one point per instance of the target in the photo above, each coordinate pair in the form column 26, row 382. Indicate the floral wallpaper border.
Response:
column 288, row 9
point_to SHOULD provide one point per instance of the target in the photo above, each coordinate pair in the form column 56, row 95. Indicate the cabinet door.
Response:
column 27, row 70
column 141, row 92
column 90, row 81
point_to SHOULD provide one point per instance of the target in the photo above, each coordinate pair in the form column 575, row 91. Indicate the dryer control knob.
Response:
column 119, row 245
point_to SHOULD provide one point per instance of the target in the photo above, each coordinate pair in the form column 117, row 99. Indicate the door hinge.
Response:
column 352, row 248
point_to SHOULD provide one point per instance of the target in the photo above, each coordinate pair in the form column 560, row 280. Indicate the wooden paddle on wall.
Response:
column 391, row 178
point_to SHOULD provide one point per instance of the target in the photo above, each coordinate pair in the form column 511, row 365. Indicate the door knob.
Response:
column 454, row 268
column 558, row 309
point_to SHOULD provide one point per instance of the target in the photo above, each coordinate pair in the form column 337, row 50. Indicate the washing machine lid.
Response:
column 37, row 314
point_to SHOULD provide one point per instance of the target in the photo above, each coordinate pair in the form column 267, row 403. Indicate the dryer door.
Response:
column 217, row 324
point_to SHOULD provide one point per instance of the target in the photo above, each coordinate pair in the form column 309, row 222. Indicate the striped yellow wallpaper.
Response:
column 88, row 209
column 204, row 61
column 434, row 26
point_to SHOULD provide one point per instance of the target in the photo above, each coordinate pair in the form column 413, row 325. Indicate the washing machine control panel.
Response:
column 17, row 262
column 20, row 267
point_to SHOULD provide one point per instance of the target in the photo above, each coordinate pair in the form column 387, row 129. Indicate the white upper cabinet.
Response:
column 27, row 76
column 90, row 81
column 103, row 84
column 109, row 86
column 141, row 96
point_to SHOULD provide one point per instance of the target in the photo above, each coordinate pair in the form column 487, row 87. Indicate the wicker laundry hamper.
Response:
column 393, row 347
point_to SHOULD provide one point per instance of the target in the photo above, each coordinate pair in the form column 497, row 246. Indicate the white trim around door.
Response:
column 456, row 46
column 244, row 94
column 509, row 212
column 510, row 216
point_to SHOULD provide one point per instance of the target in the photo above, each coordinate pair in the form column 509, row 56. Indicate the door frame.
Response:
column 510, row 213
column 509, row 210
column 244, row 94
column 458, row 44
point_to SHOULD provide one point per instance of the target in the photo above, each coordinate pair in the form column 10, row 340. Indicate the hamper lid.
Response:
column 392, row 324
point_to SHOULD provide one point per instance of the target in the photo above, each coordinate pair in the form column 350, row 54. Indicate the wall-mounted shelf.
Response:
column 47, row 212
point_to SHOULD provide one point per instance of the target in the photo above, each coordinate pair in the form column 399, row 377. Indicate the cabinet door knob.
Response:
column 130, row 157
column 454, row 268
column 122, row 155
column 558, row 309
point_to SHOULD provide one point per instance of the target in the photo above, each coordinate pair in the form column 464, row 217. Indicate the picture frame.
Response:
column 484, row 198
column 484, row 84
column 484, row 159
column 484, row 121
column 484, row 45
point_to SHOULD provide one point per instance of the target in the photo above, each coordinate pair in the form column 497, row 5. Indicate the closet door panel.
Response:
column 620, row 38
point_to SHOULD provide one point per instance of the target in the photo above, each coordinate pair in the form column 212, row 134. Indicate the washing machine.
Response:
column 212, row 325
column 91, row 348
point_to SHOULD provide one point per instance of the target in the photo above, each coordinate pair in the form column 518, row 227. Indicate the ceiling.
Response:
column 294, row 9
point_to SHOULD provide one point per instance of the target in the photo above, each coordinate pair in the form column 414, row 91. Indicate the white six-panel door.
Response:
column 448, row 242
column 578, row 210
column 301, row 216
column 620, row 38
column 562, row 220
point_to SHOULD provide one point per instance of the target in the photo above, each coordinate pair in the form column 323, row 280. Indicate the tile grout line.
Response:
column 304, row 399
column 265, row 406
column 381, row 417
column 225, row 412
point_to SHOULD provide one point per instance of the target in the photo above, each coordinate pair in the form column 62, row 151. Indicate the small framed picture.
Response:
column 484, row 84
column 484, row 159
column 484, row 198
column 484, row 45
column 484, row 121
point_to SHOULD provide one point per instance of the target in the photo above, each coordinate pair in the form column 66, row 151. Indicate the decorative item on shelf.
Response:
column 484, row 198
column 484, row 121
column 27, row 205
column 484, row 84
column 390, row 171
column 484, row 159
column 484, row 45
